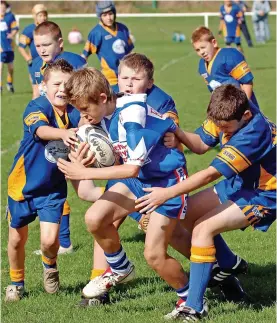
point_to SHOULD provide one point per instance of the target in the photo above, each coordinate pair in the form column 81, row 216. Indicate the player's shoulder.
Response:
column 157, row 93
column 131, row 100
column 28, row 30
column 41, row 104
column 121, row 26
column 97, row 29
column 72, row 58
column 231, row 52
column 236, row 7
column 221, row 8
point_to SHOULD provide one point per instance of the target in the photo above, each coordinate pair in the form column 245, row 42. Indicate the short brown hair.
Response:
column 228, row 102
column 202, row 33
column 48, row 27
column 137, row 62
column 86, row 85
column 59, row 65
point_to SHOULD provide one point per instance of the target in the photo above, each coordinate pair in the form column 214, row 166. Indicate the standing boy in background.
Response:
column 26, row 38
column 221, row 65
column 49, row 45
column 109, row 40
column 8, row 31
column 243, row 26
column 230, row 20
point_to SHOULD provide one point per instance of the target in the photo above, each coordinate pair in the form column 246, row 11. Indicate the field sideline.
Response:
column 148, row 298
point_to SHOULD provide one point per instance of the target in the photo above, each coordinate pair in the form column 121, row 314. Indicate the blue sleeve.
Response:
column 13, row 24
column 33, row 72
column 34, row 117
column 74, row 117
column 242, row 150
column 93, row 42
column 209, row 133
column 24, row 38
column 130, row 43
column 238, row 68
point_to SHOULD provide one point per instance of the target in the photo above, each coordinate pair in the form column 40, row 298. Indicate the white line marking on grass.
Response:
column 15, row 145
column 174, row 61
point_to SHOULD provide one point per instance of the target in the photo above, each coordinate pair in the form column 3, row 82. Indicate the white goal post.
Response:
column 205, row 15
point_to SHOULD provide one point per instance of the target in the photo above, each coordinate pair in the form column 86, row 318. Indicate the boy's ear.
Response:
column 247, row 115
column 214, row 42
column 60, row 41
column 150, row 83
column 103, row 98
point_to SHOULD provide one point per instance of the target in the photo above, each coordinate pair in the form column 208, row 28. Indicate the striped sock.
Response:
column 201, row 263
column 118, row 261
column 17, row 277
column 183, row 292
column 96, row 272
column 49, row 262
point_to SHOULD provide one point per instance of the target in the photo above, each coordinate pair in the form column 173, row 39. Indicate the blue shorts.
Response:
column 229, row 40
column 48, row 208
column 174, row 208
column 7, row 57
column 259, row 210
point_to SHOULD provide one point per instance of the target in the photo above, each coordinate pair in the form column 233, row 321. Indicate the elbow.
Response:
column 135, row 171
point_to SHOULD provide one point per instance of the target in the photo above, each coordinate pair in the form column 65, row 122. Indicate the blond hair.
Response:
column 86, row 85
column 59, row 65
column 48, row 27
column 138, row 62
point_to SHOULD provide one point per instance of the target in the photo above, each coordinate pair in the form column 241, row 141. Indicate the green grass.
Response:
column 148, row 298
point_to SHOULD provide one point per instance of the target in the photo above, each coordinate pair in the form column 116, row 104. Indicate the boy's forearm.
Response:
column 86, row 190
column 25, row 55
column 192, row 141
column 113, row 172
column 49, row 133
column 194, row 182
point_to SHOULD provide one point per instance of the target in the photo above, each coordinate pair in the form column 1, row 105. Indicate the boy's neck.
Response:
column 111, row 106
column 60, row 110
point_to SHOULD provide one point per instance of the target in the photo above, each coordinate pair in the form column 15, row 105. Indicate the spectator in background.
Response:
column 75, row 36
column 260, row 11
column 243, row 26
column 9, row 29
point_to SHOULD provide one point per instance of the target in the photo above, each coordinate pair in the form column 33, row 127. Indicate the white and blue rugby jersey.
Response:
column 136, row 131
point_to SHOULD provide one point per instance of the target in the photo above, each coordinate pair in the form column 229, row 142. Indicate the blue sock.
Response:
column 183, row 292
column 224, row 256
column 64, row 235
column 201, row 264
column 21, row 283
column 198, row 282
column 118, row 261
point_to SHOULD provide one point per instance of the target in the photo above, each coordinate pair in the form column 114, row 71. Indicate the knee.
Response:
column 201, row 230
column 93, row 223
column 153, row 258
column 16, row 242
column 49, row 243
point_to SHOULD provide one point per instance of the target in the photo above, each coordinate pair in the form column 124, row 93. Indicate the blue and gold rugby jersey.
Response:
column 228, row 64
column 248, row 158
column 110, row 47
column 27, row 39
column 34, row 170
column 39, row 66
column 8, row 24
column 230, row 18
column 136, row 131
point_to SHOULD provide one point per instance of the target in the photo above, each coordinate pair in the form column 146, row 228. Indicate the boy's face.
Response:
column 132, row 82
column 108, row 18
column 3, row 9
column 93, row 113
column 41, row 17
column 54, row 87
column 228, row 3
column 229, row 128
column 47, row 47
column 206, row 49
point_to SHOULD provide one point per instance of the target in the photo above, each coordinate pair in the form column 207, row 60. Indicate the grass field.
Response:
column 148, row 298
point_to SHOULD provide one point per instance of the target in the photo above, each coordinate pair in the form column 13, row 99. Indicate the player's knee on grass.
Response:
column 50, row 243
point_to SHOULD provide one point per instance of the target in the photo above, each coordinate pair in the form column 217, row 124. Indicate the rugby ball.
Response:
column 99, row 143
